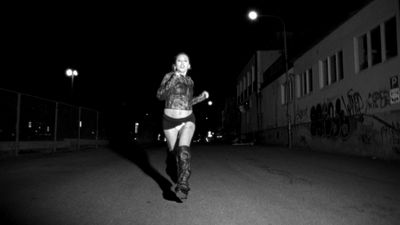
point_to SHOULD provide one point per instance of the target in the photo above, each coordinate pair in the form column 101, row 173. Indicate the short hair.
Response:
column 181, row 53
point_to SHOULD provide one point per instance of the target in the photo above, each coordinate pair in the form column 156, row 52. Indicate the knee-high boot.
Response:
column 184, row 171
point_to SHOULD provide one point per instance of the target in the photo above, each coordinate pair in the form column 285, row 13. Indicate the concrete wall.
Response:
column 354, row 115
column 357, row 115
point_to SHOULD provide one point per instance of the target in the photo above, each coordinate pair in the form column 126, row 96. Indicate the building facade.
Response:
column 342, row 95
column 249, row 100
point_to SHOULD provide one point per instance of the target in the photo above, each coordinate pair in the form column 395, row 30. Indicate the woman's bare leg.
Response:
column 172, row 136
column 186, row 134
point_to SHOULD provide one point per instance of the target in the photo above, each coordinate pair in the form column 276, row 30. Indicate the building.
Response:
column 248, row 96
column 341, row 95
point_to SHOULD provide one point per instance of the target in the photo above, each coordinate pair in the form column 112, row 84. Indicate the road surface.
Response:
column 231, row 185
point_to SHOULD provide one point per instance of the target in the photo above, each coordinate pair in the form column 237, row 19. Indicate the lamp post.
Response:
column 253, row 15
column 71, row 73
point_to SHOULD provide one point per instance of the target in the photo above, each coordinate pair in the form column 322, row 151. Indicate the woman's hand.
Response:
column 205, row 94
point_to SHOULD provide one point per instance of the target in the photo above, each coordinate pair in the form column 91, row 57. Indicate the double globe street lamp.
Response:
column 71, row 73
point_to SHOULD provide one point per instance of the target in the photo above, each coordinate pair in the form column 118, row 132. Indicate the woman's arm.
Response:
column 165, row 86
column 200, row 98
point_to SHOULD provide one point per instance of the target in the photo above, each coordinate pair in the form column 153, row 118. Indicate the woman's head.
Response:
column 182, row 63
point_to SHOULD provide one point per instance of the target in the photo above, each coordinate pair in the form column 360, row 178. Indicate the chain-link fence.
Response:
column 32, row 123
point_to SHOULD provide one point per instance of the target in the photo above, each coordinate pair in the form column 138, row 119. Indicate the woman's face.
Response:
column 182, row 63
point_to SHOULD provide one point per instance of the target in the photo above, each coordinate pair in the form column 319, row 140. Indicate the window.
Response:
column 240, row 92
column 298, row 85
column 377, row 45
column 287, row 91
column 331, row 70
column 376, row 48
column 306, row 81
column 325, row 78
column 362, row 52
column 310, row 80
column 291, row 88
column 244, row 87
column 253, row 75
column 340, row 65
column 249, row 83
column 390, row 38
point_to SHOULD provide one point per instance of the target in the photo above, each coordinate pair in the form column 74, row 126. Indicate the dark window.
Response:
column 333, row 68
column 310, row 80
column 362, row 52
column 325, row 72
column 291, row 89
column 391, row 38
column 305, row 91
column 340, row 65
column 376, row 49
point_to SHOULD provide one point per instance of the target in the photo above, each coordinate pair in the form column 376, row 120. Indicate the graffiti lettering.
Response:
column 301, row 114
column 391, row 135
column 355, row 103
column 377, row 100
column 329, row 121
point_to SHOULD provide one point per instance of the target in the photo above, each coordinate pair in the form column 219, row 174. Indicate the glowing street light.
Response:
column 71, row 73
column 253, row 15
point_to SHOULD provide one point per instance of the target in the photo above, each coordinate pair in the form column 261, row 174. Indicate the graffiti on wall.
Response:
column 340, row 116
column 337, row 117
column 391, row 134
column 329, row 121
column 354, row 104
column 381, row 133
column 368, row 133
column 301, row 114
column 377, row 100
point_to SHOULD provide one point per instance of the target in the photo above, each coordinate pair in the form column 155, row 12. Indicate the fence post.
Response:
column 55, row 128
column 97, row 129
column 17, row 124
column 79, row 128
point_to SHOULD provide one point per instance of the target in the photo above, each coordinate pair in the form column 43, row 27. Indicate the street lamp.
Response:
column 253, row 15
column 71, row 73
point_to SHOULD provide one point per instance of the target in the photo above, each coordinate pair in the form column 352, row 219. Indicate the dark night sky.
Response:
column 123, row 50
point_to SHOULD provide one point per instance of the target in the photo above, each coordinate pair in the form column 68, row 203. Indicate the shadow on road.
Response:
column 138, row 155
column 134, row 152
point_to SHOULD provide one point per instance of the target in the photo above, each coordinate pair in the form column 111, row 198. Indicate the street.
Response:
column 254, row 185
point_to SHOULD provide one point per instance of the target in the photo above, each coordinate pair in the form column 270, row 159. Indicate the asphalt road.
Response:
column 252, row 185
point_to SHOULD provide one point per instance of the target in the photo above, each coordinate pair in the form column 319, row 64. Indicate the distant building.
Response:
column 341, row 95
column 248, row 96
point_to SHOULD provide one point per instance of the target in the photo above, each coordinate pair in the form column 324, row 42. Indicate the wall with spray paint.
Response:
column 358, row 113
column 355, row 111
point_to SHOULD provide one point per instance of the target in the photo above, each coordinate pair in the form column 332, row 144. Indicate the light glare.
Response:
column 253, row 15
column 71, row 73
